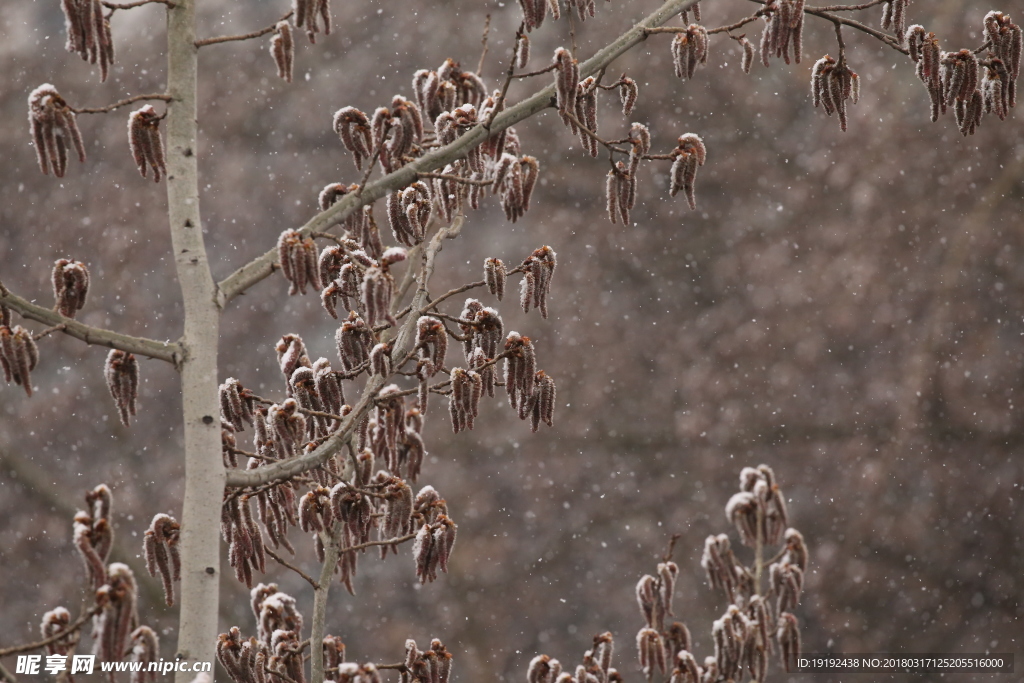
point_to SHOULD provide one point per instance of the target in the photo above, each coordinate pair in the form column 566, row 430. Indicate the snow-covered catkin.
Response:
column 628, row 93
column 160, row 547
column 543, row 401
column 122, row 375
column 432, row 341
column 54, row 129
column 788, row 634
column 70, row 286
column 747, row 60
column 89, row 33
column 832, row 84
column 353, row 129
column 145, row 649
column 309, row 13
column 117, row 617
column 689, row 49
column 522, row 51
column 495, row 276
column 688, row 156
column 894, row 16
column 55, row 622
column 298, row 260
column 19, row 355
column 520, row 369
column 144, row 139
column 567, row 78
column 282, row 48
column 354, row 340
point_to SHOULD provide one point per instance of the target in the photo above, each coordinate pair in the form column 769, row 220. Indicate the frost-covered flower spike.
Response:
column 144, row 139
column 122, row 375
column 162, row 555
column 298, row 259
column 54, row 130
column 690, row 49
column 282, row 48
column 70, row 286
column 689, row 155
column 19, row 355
column 89, row 33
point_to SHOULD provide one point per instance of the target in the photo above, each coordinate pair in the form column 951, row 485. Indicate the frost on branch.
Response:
column 54, row 130
column 144, row 139
column 19, row 355
column 161, row 550
column 282, row 48
column 89, row 33
column 70, row 286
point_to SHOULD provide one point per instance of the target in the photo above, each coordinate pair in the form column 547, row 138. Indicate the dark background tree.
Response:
column 845, row 307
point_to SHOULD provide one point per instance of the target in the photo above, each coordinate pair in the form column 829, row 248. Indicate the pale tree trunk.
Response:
column 204, row 471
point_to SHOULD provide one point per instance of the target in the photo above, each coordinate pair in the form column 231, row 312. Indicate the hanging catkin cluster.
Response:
column 595, row 667
column 958, row 72
column 19, row 355
column 93, row 535
column 122, row 374
column 161, row 551
column 783, row 30
column 118, row 617
column 298, row 259
column 687, row 157
column 538, row 270
column 353, row 128
column 586, row 113
column 534, row 12
column 236, row 404
column 924, row 50
column 245, row 660
column 144, row 139
column 495, row 275
column 464, row 401
column 1005, row 40
column 341, row 272
column 620, row 193
column 628, row 94
column 70, row 286
column 894, row 16
column 55, row 622
column 54, row 130
column 409, row 212
column 246, row 552
column 448, row 87
column 282, row 48
column 308, row 13
column 567, row 80
column 432, row 666
column 689, row 49
column 434, row 541
column 832, row 84
column 145, row 650
column 89, row 33
column 354, row 340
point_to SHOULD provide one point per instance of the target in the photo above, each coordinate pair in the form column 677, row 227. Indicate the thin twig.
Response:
column 538, row 72
column 846, row 8
column 483, row 41
column 374, row 158
column 245, row 36
column 6, row 675
column 122, row 103
column 48, row 331
column 509, row 75
column 72, row 627
column 370, row 544
column 132, row 5
column 455, row 178
column 286, row 563
column 671, row 547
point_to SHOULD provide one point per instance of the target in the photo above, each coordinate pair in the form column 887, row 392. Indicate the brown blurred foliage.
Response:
column 848, row 308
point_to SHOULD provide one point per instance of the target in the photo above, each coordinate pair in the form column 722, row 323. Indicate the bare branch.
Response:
column 245, row 36
column 139, row 3
column 74, row 626
column 166, row 351
column 284, row 563
column 122, row 103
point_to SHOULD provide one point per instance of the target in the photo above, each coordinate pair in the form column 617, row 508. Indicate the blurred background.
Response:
column 845, row 307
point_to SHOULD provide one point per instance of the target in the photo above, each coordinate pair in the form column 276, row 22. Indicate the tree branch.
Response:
column 316, row 635
column 338, row 440
column 72, row 627
column 122, row 103
column 261, row 267
column 166, row 351
column 244, row 36
column 285, row 563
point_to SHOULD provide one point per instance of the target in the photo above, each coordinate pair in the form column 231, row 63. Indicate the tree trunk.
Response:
column 204, row 471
